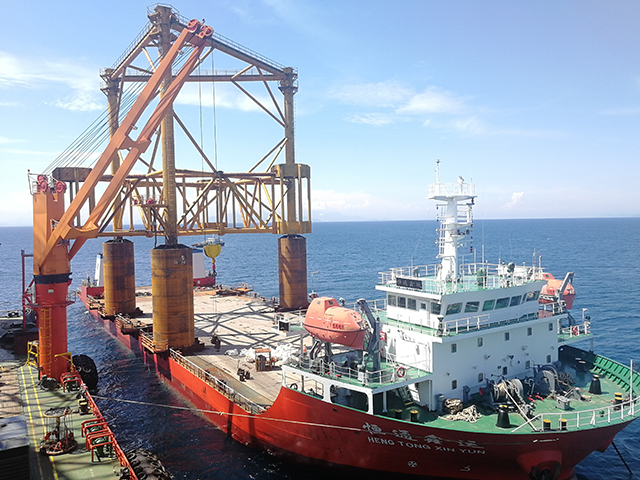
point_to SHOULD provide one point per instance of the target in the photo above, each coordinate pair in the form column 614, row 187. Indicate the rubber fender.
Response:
column 87, row 369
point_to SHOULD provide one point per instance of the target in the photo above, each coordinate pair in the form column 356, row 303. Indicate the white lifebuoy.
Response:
column 400, row 372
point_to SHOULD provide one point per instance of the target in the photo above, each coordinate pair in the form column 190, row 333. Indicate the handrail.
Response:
column 392, row 372
column 219, row 384
column 222, row 39
column 145, row 30
column 472, row 277
column 589, row 418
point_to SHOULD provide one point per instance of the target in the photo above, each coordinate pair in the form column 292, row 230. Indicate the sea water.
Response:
column 344, row 260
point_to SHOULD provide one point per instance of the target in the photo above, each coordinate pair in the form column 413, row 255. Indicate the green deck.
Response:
column 588, row 412
column 547, row 408
column 71, row 466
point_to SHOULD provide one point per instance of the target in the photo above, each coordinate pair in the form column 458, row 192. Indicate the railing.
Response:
column 153, row 346
column 471, row 277
column 466, row 324
column 104, row 432
column 220, row 38
column 477, row 322
column 145, row 30
column 218, row 384
column 393, row 371
column 576, row 420
column 451, row 189
column 575, row 330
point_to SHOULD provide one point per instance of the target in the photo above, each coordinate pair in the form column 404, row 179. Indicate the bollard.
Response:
column 503, row 417
column 595, row 387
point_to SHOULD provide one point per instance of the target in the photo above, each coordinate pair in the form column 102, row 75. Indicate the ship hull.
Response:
column 299, row 426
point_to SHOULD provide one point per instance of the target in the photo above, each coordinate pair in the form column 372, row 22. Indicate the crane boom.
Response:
column 53, row 225
column 195, row 34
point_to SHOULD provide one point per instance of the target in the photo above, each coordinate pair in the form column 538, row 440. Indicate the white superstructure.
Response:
column 466, row 323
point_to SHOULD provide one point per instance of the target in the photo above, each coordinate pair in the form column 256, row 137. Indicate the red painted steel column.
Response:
column 51, row 278
column 51, row 304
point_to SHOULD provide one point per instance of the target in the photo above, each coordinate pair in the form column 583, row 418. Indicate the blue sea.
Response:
column 344, row 260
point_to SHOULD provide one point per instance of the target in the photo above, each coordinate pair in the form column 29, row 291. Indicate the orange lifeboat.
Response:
column 326, row 320
column 549, row 292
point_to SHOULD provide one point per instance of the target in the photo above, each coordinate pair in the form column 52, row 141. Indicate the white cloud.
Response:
column 304, row 16
column 16, row 208
column 516, row 200
column 469, row 125
column 433, row 100
column 225, row 97
column 330, row 200
column 376, row 119
column 81, row 102
column 402, row 101
column 622, row 111
column 16, row 151
column 5, row 140
column 388, row 94
column 81, row 82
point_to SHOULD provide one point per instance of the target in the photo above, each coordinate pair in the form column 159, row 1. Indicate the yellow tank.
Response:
column 172, row 289
column 119, row 276
column 292, row 272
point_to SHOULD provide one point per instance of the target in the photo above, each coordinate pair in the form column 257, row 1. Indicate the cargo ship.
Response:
column 463, row 369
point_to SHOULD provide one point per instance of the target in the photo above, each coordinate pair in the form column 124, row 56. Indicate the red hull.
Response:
column 298, row 424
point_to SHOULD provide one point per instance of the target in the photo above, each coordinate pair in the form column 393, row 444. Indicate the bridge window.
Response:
column 411, row 303
column 529, row 331
column 550, row 327
column 488, row 305
column 454, row 384
column 471, row 307
column 391, row 300
column 454, row 308
column 435, row 308
column 480, row 341
column 454, row 347
column 531, row 296
column 502, row 303
column 402, row 302
column 515, row 301
column 423, row 306
column 507, row 335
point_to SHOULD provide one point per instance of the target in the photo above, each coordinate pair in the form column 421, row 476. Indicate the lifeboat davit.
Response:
column 549, row 292
column 326, row 320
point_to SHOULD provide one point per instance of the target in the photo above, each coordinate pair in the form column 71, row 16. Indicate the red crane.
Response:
column 53, row 230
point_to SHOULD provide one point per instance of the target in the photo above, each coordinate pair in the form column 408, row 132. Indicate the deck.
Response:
column 21, row 398
column 245, row 323
column 241, row 323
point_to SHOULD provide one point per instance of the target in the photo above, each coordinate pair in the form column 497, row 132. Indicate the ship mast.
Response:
column 455, row 214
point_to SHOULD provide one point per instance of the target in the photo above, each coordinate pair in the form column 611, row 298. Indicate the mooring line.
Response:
column 621, row 457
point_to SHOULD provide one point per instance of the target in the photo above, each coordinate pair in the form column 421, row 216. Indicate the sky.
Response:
column 537, row 103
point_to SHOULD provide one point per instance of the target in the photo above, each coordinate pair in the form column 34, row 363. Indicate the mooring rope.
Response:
column 241, row 415
column 621, row 457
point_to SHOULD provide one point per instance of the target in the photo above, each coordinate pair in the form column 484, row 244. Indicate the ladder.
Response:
column 405, row 395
